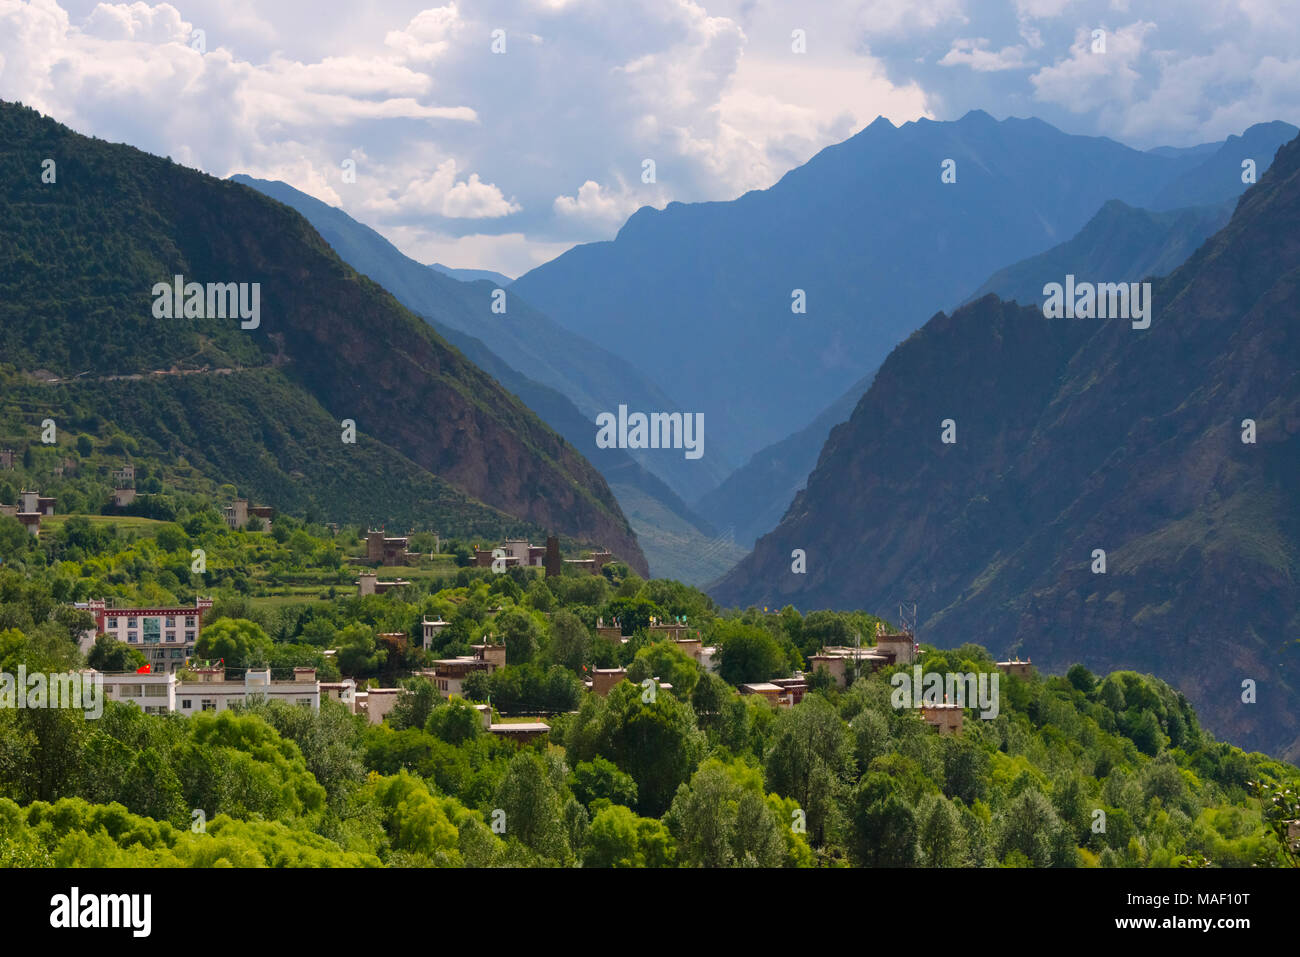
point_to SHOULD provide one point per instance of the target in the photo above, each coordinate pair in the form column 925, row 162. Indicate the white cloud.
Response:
column 428, row 35
column 137, row 21
column 441, row 194
column 596, row 207
column 544, row 145
column 1087, row 80
column 975, row 54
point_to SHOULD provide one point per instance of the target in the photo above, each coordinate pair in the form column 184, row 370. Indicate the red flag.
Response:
column 142, row 670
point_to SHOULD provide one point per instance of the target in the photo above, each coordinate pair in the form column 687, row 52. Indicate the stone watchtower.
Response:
column 554, row 564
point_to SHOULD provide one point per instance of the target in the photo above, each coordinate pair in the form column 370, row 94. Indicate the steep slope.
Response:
column 701, row 294
column 1120, row 243
column 1076, row 435
column 276, row 443
column 677, row 542
column 527, row 340
column 77, row 279
column 755, row 496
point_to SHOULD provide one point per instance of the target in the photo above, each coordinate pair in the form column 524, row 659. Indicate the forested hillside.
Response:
column 1074, row 770
column 78, row 302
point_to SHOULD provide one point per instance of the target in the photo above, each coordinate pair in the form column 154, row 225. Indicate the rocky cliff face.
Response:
column 83, row 255
column 1075, row 435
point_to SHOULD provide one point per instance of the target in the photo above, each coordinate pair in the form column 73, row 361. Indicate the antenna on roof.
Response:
column 907, row 618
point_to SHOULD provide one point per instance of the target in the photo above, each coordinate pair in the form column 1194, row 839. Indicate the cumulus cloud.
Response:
column 442, row 194
column 137, row 21
column 596, row 207
column 975, row 54
column 1090, row 79
column 543, row 145
column 428, row 35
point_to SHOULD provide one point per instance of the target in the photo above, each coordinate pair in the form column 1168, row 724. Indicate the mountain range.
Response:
column 701, row 295
column 527, row 340
column 678, row 543
column 1117, row 496
column 270, row 404
column 1122, row 243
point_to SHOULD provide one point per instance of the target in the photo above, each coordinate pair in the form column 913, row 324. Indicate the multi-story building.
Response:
column 1021, row 669
column 238, row 512
column 161, row 693
column 387, row 549
column 449, row 674
column 166, row 636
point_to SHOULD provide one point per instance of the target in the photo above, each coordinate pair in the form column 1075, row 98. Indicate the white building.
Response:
column 218, row 695
column 163, row 694
column 432, row 629
column 154, row 694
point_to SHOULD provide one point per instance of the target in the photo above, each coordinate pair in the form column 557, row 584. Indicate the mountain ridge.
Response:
column 867, row 231
column 88, row 249
column 1076, row 435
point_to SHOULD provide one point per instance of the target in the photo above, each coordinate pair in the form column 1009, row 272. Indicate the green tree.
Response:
column 722, row 819
column 532, row 795
column 618, row 838
column 666, row 661
column 171, row 537
column 455, row 722
column 811, row 760
column 236, row 640
column 359, row 654
column 748, row 653
column 570, row 640
column 413, row 707
column 1030, row 826
column 110, row 655
column 521, row 635
column 883, row 831
column 939, row 832
column 601, row 780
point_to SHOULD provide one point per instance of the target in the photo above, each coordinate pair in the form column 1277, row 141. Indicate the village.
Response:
column 167, row 636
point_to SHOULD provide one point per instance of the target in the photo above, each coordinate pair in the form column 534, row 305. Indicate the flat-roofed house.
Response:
column 604, row 679
column 946, row 717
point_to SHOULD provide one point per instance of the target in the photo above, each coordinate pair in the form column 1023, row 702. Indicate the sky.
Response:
column 503, row 158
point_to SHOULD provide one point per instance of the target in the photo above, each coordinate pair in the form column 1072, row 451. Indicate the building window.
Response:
column 130, row 623
column 171, row 621
column 305, row 702
column 178, row 652
column 189, row 637
column 189, row 621
column 185, row 703
column 112, row 623
column 132, row 636
column 209, row 704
